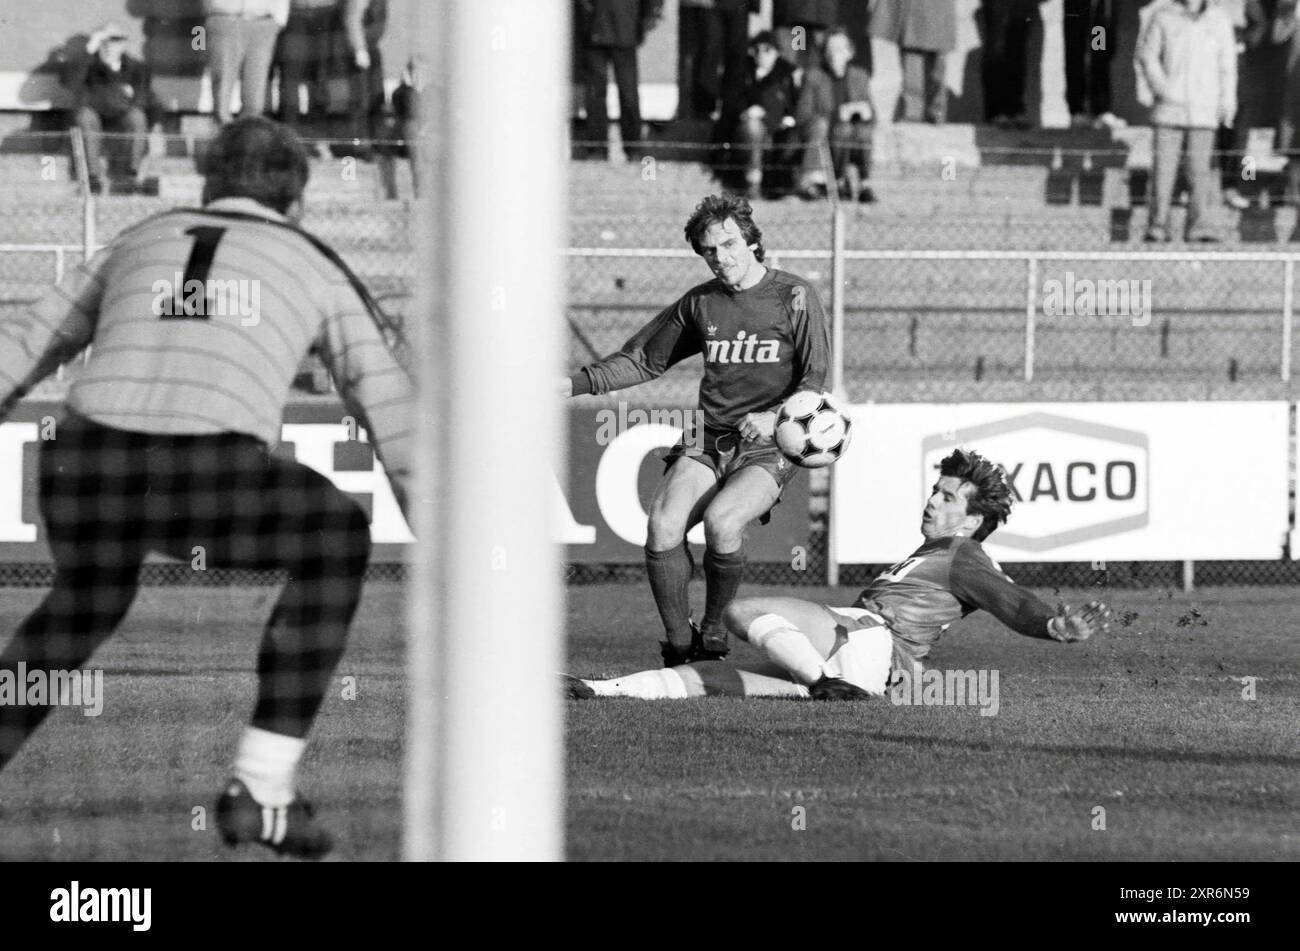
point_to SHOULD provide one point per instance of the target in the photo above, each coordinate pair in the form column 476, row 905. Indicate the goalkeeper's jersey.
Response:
column 198, row 321
column 759, row 345
column 941, row 582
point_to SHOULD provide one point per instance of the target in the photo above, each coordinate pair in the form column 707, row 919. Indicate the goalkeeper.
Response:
column 851, row 653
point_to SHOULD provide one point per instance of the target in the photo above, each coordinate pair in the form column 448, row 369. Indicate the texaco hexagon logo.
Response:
column 1074, row 480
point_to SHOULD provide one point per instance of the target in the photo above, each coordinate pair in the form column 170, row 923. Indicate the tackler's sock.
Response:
column 664, row 684
column 669, row 573
column 787, row 647
column 267, row 763
column 722, row 574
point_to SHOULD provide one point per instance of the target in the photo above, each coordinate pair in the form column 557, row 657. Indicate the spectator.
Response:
column 1266, row 36
column 241, row 44
column 769, row 100
column 924, row 31
column 303, row 56
column 1188, row 57
column 410, row 119
column 1089, row 29
column 1006, row 25
column 835, row 110
column 364, row 22
column 733, row 23
column 1288, row 132
column 800, row 27
column 609, row 32
column 111, row 92
column 699, row 57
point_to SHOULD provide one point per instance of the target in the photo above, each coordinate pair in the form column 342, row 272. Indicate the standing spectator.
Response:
column 1006, row 26
column 1288, row 131
column 699, row 56
column 1188, row 56
column 924, row 31
column 800, row 27
column 609, row 32
column 111, row 92
column 836, row 111
column 1089, row 28
column 733, row 29
column 241, row 45
column 1266, row 38
column 769, row 101
column 364, row 22
column 407, row 108
column 303, row 56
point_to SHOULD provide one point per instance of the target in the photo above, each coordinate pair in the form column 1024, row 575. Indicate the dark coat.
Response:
column 776, row 92
column 916, row 24
column 110, row 94
column 615, row 22
column 808, row 12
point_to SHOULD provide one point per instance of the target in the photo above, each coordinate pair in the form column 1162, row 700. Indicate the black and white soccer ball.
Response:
column 813, row 429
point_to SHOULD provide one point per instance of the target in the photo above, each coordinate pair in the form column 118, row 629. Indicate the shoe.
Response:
column 96, row 185
column 1235, row 199
column 867, row 196
column 287, row 830
column 575, row 689
column 1108, row 120
column 1202, row 236
column 706, row 646
column 1155, row 235
column 673, row 655
column 836, row 688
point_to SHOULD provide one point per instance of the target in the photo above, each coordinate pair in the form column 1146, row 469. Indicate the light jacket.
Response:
column 277, row 10
column 1189, row 62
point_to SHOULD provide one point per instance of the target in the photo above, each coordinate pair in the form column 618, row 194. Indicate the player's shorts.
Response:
column 864, row 650
column 726, row 454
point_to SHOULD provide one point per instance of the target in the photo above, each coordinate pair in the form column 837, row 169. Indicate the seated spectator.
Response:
column 767, row 119
column 1188, row 59
column 241, row 44
column 836, row 110
column 111, row 92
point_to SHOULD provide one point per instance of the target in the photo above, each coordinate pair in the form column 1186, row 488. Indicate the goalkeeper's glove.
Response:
column 1078, row 624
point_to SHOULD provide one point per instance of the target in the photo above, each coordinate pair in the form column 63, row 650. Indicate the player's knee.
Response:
column 738, row 615
column 664, row 529
column 723, row 529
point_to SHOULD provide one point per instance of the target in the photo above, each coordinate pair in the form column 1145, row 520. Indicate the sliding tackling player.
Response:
column 763, row 336
column 851, row 653
column 166, row 446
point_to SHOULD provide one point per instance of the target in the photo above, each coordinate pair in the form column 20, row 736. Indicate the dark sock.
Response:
column 670, row 575
column 722, row 574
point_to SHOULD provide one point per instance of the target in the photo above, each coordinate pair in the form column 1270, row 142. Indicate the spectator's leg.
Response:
column 1200, row 181
column 913, row 99
column 87, row 120
column 1165, row 158
column 815, row 135
column 259, row 45
column 629, row 98
column 734, row 36
column 1101, row 51
column 1017, row 66
column 595, row 78
column 293, row 48
column 689, row 41
column 996, row 22
column 752, row 135
column 936, row 87
column 136, row 125
column 225, row 50
column 1075, row 29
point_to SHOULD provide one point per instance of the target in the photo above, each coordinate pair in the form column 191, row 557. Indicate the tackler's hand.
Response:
column 758, row 427
column 1079, row 624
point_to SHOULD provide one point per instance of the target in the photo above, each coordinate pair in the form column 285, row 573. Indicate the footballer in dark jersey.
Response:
column 763, row 336
column 855, row 652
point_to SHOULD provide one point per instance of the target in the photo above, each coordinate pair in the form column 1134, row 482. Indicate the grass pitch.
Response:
column 1149, row 724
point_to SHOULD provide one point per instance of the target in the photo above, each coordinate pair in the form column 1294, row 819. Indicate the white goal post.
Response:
column 484, row 744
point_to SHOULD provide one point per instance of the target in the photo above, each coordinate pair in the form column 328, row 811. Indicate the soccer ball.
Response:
column 812, row 429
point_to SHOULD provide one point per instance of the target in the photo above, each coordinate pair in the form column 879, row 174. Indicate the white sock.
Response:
column 664, row 684
column 267, row 763
column 788, row 647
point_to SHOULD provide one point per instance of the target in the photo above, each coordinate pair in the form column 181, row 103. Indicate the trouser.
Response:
column 132, row 122
column 1088, row 53
column 303, row 54
column 1004, row 67
column 849, row 143
column 109, row 497
column 366, row 95
column 1170, row 144
column 240, row 49
column 699, row 57
column 925, row 87
column 596, row 60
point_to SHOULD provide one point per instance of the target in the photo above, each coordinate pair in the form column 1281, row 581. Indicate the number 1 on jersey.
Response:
column 197, row 306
